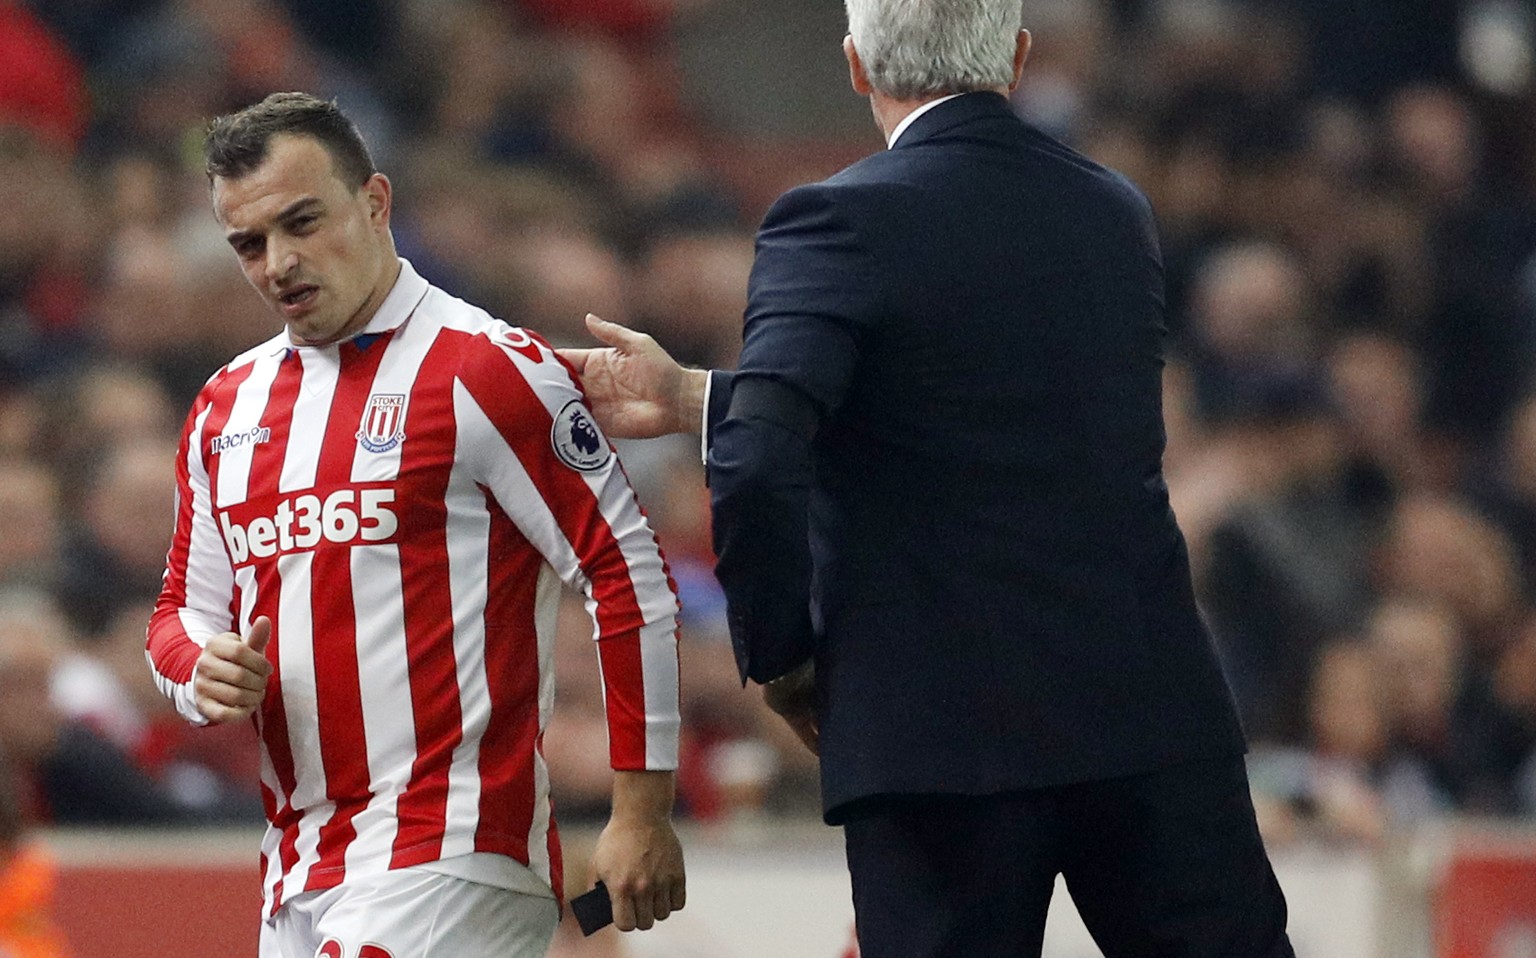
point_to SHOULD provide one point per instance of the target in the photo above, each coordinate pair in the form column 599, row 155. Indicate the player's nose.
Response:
column 281, row 262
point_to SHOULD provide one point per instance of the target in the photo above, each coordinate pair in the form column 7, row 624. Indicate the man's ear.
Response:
column 1020, row 54
column 856, row 74
column 380, row 195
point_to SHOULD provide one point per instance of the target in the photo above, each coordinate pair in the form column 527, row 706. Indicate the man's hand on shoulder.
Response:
column 635, row 388
column 230, row 679
column 638, row 855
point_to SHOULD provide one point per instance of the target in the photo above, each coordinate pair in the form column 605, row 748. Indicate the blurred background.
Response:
column 1347, row 197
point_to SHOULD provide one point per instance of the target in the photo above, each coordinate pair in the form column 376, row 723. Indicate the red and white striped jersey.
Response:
column 404, row 506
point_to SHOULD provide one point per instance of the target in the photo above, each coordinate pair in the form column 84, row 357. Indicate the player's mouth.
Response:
column 298, row 300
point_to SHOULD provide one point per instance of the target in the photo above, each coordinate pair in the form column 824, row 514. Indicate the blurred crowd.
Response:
column 1347, row 192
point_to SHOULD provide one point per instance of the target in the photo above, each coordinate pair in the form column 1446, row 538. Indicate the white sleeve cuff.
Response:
column 709, row 383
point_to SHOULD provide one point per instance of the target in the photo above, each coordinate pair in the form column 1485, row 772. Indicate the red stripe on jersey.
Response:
column 338, row 692
column 433, row 672
column 575, row 507
column 512, row 675
column 172, row 652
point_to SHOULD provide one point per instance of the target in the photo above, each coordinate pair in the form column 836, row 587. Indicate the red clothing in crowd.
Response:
column 42, row 87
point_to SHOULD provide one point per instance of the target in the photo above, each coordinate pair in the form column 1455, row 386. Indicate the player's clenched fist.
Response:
column 638, row 856
column 231, row 675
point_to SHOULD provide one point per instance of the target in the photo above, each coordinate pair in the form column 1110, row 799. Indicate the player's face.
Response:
column 316, row 249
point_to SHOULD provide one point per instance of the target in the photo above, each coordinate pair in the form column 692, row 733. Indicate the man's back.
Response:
column 1002, row 595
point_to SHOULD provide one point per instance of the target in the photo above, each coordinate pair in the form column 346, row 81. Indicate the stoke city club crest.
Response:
column 383, row 425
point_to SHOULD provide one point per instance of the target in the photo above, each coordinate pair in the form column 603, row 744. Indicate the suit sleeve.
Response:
column 529, row 438
column 197, row 591
column 812, row 298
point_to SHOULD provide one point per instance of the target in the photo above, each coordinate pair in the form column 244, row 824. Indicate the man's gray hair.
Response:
column 918, row 48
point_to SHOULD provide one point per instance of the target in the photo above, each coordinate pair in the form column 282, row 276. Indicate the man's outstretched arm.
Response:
column 634, row 387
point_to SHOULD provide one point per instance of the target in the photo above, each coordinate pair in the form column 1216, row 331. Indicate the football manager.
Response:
column 943, row 531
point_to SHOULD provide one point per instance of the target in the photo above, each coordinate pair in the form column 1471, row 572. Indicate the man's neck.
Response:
column 889, row 111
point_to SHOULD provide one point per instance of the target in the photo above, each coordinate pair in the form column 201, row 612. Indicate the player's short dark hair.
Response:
column 237, row 143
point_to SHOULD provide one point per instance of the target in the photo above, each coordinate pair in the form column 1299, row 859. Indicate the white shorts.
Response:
column 411, row 913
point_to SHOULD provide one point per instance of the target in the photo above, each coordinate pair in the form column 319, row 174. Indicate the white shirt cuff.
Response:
column 709, row 383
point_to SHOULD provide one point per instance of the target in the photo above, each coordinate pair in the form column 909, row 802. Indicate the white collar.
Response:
column 409, row 290
column 906, row 121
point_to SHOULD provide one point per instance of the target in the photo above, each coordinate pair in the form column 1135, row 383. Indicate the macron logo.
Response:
column 251, row 437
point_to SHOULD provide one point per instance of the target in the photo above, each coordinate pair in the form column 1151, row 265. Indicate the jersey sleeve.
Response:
column 198, row 587
column 530, row 439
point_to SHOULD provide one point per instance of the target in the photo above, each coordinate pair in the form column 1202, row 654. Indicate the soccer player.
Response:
column 377, row 509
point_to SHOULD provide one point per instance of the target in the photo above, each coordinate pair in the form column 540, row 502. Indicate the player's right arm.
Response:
column 528, row 436
column 198, row 662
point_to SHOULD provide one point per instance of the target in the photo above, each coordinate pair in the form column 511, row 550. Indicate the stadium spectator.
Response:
column 1508, row 489
column 66, row 773
column 1250, row 336
column 91, row 409
column 1288, row 565
column 45, row 247
column 42, row 86
column 1328, row 787
column 30, row 524
column 688, row 281
column 1420, row 657
column 116, row 550
column 99, row 682
column 1375, row 388
column 1438, row 550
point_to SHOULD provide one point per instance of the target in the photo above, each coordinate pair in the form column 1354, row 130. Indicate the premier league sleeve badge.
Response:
column 577, row 439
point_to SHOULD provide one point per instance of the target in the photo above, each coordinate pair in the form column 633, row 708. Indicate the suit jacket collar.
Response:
column 952, row 113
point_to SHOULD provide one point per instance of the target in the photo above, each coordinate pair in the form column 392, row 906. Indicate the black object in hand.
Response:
column 593, row 909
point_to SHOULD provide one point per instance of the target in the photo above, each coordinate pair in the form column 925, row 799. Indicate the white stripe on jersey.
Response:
column 296, row 666
column 244, row 416
column 388, row 722
column 311, row 411
column 468, row 575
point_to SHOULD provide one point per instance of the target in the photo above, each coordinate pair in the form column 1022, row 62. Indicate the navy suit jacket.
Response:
column 965, row 521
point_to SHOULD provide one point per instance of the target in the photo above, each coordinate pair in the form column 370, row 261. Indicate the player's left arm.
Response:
column 544, row 458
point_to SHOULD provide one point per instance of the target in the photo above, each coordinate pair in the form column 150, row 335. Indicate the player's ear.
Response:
column 379, row 195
